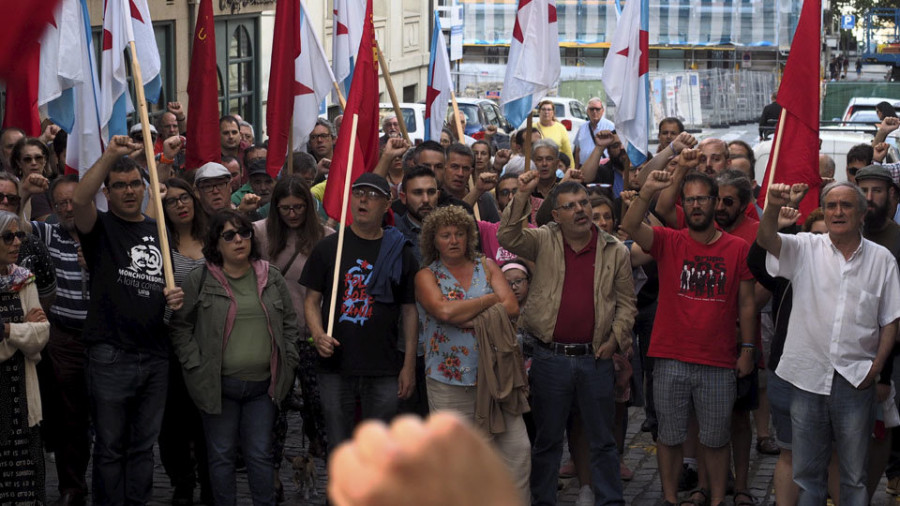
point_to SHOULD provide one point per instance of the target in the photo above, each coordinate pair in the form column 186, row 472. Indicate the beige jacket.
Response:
column 614, row 300
column 30, row 338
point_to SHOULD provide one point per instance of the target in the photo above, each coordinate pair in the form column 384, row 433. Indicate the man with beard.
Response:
column 455, row 182
column 693, row 343
column 230, row 136
column 63, row 387
column 713, row 156
column 419, row 193
column 735, row 194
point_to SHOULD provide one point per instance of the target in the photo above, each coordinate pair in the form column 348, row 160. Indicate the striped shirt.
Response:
column 70, row 307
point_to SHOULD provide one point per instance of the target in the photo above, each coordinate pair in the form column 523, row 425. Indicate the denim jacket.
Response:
column 199, row 330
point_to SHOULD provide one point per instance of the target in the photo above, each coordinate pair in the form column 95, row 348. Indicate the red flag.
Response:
column 203, row 93
column 22, row 92
column 797, row 160
column 362, row 100
column 23, row 24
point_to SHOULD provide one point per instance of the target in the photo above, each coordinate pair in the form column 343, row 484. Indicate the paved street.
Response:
column 643, row 490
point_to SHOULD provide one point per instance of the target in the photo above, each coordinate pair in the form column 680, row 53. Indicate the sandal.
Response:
column 749, row 501
column 696, row 501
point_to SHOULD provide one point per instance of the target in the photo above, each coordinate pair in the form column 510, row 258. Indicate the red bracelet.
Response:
column 164, row 160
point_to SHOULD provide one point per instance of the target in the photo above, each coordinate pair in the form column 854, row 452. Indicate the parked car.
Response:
column 413, row 115
column 858, row 104
column 835, row 143
column 481, row 112
column 568, row 111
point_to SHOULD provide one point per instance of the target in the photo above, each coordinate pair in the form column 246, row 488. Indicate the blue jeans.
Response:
column 556, row 382
column 246, row 420
column 128, row 396
column 378, row 398
column 845, row 417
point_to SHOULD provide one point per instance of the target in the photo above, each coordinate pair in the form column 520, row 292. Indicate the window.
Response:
column 238, row 68
column 409, row 93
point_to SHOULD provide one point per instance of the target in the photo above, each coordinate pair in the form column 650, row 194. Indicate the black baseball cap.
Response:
column 373, row 180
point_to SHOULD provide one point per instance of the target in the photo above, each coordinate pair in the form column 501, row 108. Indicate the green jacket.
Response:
column 198, row 331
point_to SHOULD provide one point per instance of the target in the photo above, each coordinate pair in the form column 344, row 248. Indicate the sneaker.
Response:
column 688, row 479
column 625, row 473
column 767, row 446
column 585, row 496
column 893, row 486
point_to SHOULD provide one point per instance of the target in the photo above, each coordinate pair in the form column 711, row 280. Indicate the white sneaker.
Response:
column 585, row 496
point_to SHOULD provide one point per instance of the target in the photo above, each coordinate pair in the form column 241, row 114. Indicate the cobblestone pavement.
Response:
column 640, row 456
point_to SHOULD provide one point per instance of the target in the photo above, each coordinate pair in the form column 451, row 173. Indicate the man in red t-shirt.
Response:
column 704, row 286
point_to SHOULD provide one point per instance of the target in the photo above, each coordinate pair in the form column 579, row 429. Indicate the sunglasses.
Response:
column 12, row 198
column 728, row 201
column 507, row 192
column 35, row 159
column 229, row 235
column 9, row 236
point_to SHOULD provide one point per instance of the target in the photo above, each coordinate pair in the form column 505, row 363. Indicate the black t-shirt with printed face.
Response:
column 126, row 285
column 366, row 329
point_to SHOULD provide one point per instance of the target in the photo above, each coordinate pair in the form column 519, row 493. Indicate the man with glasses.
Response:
column 63, row 388
column 126, row 339
column 579, row 312
column 213, row 184
column 584, row 139
column 704, row 287
column 375, row 305
column 321, row 143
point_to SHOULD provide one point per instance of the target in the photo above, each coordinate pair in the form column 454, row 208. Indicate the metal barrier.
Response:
column 699, row 98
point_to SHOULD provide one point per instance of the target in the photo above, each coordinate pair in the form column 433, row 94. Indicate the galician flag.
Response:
column 346, row 33
column 440, row 84
column 125, row 21
column 298, row 82
column 533, row 65
column 626, row 81
column 78, row 103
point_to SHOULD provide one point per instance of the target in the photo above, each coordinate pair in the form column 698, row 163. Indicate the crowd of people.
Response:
column 537, row 296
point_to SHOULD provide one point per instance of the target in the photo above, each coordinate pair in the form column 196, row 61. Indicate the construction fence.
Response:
column 699, row 98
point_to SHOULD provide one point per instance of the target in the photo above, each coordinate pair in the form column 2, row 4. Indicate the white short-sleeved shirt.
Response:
column 584, row 138
column 839, row 308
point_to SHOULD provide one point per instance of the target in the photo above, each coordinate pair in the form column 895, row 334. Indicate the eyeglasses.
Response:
column 728, row 201
column 229, row 235
column 35, row 159
column 62, row 204
column 584, row 203
column 595, row 109
column 515, row 283
column 319, row 137
column 507, row 192
column 699, row 199
column 10, row 236
column 121, row 185
column 12, row 198
column 370, row 194
column 210, row 187
column 297, row 209
column 172, row 202
column 418, row 192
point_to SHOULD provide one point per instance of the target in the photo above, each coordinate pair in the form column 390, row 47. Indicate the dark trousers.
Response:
column 66, row 424
column 643, row 327
column 128, row 397
column 182, row 445
column 417, row 404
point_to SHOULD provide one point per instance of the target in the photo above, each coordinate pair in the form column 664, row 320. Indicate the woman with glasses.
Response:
column 182, row 429
column 31, row 156
column 25, row 332
column 236, row 337
column 455, row 286
column 286, row 237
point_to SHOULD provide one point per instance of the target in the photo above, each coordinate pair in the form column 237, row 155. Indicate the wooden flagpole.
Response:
column 341, row 227
column 340, row 95
column 460, row 133
column 390, row 86
column 526, row 145
column 774, row 154
column 155, row 198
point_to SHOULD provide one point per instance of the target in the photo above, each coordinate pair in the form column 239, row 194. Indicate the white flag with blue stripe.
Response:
column 626, row 81
column 533, row 66
column 440, row 84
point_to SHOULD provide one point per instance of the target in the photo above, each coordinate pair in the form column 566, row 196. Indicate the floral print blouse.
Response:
column 451, row 353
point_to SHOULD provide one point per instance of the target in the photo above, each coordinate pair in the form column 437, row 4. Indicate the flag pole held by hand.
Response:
column 341, row 227
column 155, row 199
